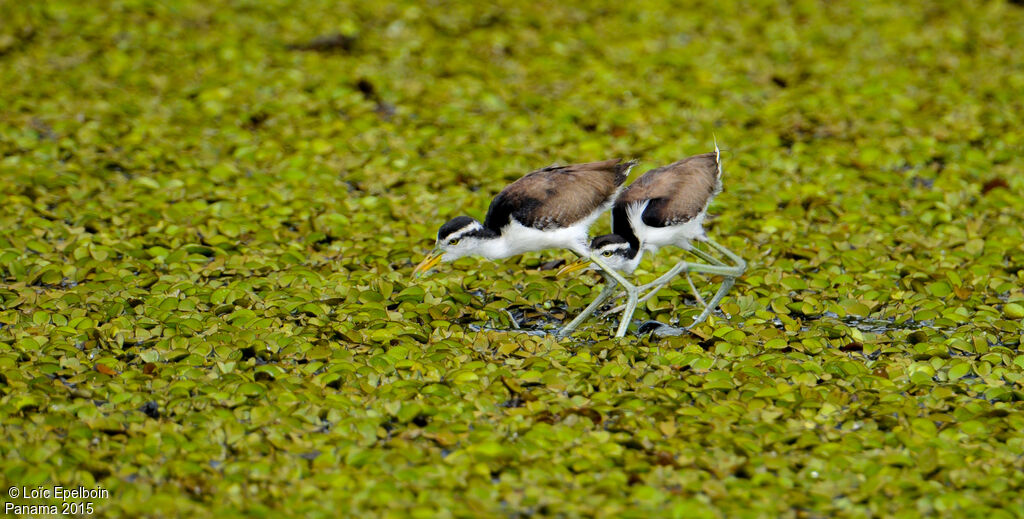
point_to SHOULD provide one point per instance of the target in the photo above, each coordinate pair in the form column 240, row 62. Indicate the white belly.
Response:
column 517, row 238
column 653, row 238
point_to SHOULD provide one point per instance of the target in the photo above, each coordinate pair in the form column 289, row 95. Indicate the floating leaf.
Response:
column 211, row 213
column 1014, row 310
column 106, row 370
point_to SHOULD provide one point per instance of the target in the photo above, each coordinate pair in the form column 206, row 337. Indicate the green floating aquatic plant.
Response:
column 211, row 210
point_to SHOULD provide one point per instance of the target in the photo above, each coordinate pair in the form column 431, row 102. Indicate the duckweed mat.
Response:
column 211, row 211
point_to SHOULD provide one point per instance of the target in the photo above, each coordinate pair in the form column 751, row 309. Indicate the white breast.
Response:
column 519, row 238
column 653, row 238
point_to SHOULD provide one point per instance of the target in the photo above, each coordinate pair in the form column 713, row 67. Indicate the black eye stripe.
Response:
column 462, row 234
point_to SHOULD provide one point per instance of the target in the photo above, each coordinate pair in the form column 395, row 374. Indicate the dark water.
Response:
column 540, row 322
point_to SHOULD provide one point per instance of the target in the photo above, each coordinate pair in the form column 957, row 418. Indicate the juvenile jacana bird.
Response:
column 666, row 206
column 551, row 208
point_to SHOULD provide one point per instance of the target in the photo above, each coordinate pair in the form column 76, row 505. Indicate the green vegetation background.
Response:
column 209, row 219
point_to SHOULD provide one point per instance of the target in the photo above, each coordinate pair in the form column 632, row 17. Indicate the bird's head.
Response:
column 461, row 236
column 613, row 250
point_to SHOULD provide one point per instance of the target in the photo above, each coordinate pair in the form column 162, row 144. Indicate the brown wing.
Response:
column 677, row 192
column 557, row 196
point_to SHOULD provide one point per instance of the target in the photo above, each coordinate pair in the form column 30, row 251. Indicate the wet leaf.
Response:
column 106, row 370
column 1014, row 311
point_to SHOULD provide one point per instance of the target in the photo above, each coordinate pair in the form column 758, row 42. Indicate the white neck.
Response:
column 635, row 262
column 495, row 248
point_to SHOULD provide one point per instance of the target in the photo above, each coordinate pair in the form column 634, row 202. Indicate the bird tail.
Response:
column 718, row 156
column 718, row 163
column 622, row 171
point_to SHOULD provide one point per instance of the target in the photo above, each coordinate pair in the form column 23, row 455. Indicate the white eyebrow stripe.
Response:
column 464, row 231
column 616, row 246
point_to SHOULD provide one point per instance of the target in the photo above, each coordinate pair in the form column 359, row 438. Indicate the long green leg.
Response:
column 696, row 294
column 682, row 267
column 663, row 280
column 719, row 269
column 693, row 289
column 737, row 261
column 734, row 272
column 689, row 280
column 657, row 284
column 706, row 257
column 729, row 272
column 627, row 314
column 631, row 295
column 726, row 285
column 609, row 289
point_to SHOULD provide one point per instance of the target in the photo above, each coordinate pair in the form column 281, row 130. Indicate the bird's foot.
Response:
column 660, row 330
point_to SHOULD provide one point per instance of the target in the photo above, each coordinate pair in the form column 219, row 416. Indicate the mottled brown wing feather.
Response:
column 677, row 192
column 557, row 196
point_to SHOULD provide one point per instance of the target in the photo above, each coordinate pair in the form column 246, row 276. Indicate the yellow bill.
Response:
column 428, row 263
column 575, row 266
